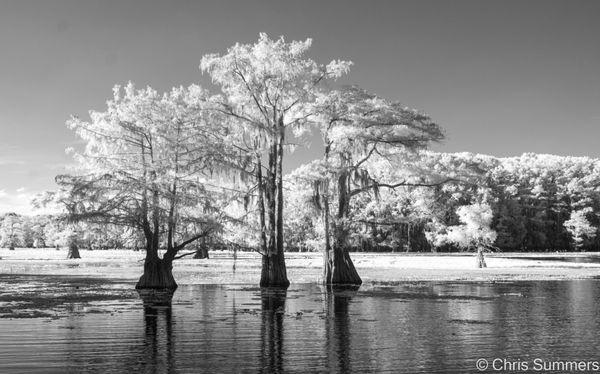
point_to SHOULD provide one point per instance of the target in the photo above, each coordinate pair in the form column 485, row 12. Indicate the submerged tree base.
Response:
column 274, row 273
column 340, row 271
column 158, row 275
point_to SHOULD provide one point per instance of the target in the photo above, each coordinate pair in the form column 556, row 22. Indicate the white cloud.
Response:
column 20, row 189
column 20, row 203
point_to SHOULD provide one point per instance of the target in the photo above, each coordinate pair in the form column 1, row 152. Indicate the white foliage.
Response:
column 474, row 230
column 579, row 227
column 269, row 80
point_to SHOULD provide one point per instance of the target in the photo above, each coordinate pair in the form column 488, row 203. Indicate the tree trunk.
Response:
column 201, row 252
column 261, row 208
column 158, row 274
column 326, row 217
column 408, row 239
column 73, row 251
column 342, row 271
column 279, row 194
column 274, row 273
column 341, row 268
column 480, row 259
column 234, row 257
column 327, row 252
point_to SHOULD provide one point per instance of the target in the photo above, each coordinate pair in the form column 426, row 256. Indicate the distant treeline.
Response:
column 42, row 231
column 539, row 203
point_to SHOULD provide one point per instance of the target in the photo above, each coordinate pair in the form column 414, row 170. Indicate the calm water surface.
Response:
column 408, row 327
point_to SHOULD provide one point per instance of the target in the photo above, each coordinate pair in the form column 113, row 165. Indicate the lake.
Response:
column 68, row 324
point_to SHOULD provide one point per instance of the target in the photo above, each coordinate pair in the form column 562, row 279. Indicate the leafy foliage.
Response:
column 145, row 166
column 579, row 226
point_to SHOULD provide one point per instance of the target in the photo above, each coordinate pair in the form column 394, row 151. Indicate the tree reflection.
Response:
column 337, row 328
column 158, row 344
column 271, row 330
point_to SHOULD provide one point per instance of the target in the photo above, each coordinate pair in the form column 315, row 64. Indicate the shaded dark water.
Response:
column 407, row 328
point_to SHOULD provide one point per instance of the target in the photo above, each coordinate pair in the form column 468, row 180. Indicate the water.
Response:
column 408, row 327
column 575, row 259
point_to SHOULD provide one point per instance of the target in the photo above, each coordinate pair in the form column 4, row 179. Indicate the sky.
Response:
column 501, row 77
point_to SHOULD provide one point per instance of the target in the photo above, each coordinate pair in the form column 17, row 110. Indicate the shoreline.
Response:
column 305, row 267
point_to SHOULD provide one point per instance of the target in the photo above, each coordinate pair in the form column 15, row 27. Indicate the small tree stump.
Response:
column 201, row 252
column 480, row 258
column 73, row 251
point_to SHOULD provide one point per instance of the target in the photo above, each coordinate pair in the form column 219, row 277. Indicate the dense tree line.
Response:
column 537, row 202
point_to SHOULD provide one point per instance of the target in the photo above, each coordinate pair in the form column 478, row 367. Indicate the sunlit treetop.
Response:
column 357, row 125
column 270, row 81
